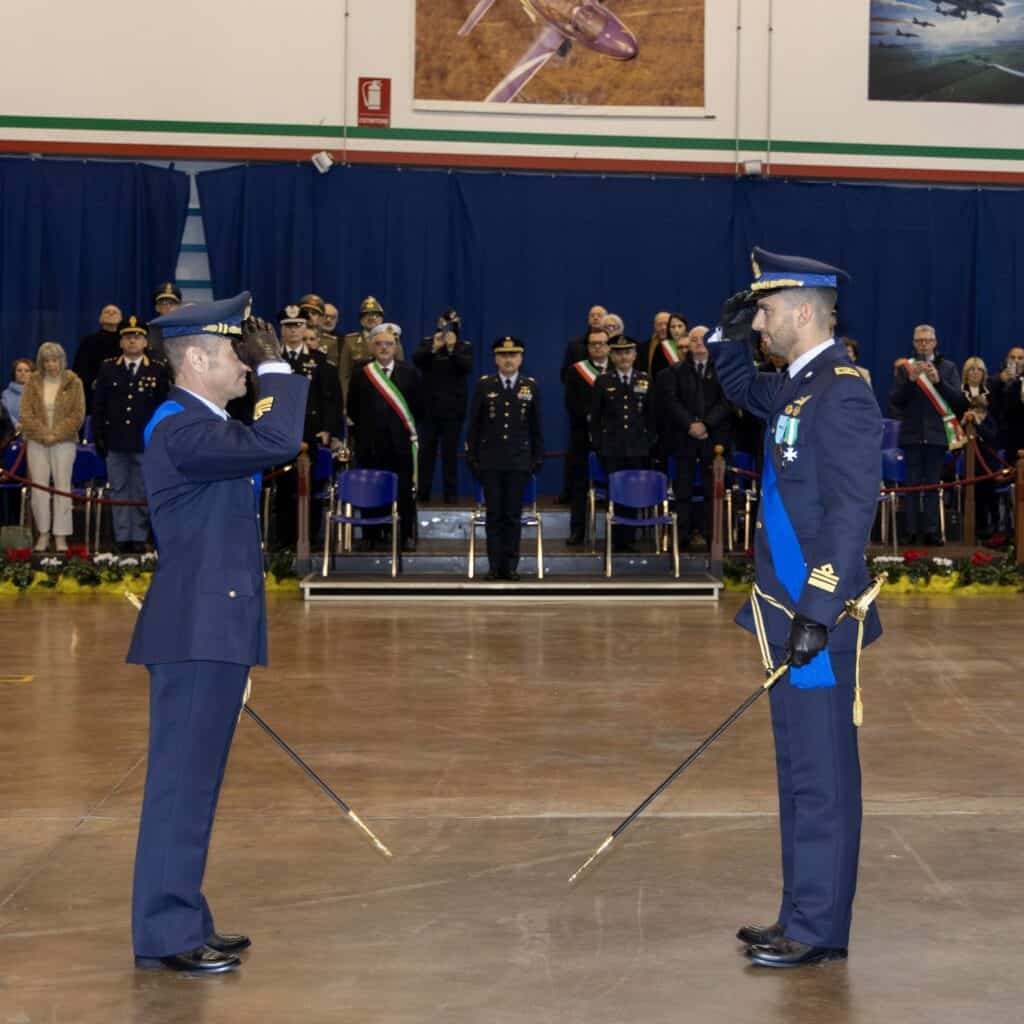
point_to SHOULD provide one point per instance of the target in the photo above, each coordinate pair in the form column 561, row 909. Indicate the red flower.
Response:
column 912, row 556
column 78, row 551
column 19, row 555
column 749, row 552
column 982, row 558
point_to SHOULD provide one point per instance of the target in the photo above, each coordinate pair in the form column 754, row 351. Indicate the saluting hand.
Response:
column 259, row 343
column 737, row 317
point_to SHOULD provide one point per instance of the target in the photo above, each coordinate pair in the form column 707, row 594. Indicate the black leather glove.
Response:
column 737, row 316
column 258, row 343
column 807, row 639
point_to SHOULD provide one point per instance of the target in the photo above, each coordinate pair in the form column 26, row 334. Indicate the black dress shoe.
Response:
column 512, row 575
column 202, row 960
column 783, row 952
column 759, row 935
column 228, row 943
column 493, row 574
column 575, row 540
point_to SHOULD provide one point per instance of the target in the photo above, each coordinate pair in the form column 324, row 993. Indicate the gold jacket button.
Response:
column 232, row 593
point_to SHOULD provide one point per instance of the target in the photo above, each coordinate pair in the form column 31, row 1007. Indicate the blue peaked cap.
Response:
column 218, row 318
column 773, row 270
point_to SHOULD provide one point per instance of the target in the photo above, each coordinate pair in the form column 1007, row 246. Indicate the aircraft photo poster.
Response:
column 498, row 55
column 947, row 51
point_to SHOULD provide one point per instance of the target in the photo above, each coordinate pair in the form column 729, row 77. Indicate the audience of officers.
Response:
column 127, row 391
column 444, row 360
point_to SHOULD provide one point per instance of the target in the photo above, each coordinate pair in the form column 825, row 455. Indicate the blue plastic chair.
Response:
column 894, row 473
column 639, row 489
column 530, row 518
column 11, row 453
column 88, row 481
column 745, row 486
column 890, row 434
column 597, row 490
column 362, row 489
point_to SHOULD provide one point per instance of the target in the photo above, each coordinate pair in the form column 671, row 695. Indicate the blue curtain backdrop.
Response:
column 75, row 236
column 528, row 254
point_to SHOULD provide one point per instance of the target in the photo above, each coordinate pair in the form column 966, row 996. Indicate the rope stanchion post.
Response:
column 1018, row 511
column 970, row 528
column 717, row 511
column 302, row 467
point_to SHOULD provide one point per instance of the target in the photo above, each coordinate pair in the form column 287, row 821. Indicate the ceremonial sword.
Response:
column 856, row 608
column 352, row 816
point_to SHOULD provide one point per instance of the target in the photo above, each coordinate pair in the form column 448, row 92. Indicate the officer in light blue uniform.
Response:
column 204, row 620
column 822, row 463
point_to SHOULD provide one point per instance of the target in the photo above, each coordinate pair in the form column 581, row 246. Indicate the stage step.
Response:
column 691, row 587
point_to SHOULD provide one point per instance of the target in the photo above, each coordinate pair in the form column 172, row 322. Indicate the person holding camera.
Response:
column 127, row 392
column 1007, row 402
column 444, row 360
column 505, row 446
column 926, row 398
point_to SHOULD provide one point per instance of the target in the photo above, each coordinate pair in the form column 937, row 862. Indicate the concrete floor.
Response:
column 492, row 748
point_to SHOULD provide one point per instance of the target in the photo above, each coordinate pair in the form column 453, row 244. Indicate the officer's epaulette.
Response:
column 112, row 359
column 486, row 376
column 532, row 380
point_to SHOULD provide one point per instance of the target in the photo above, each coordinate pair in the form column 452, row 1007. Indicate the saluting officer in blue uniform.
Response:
column 819, row 492
column 204, row 621
column 128, row 390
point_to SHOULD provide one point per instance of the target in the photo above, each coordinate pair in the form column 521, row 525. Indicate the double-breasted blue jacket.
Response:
column 822, row 468
column 206, row 601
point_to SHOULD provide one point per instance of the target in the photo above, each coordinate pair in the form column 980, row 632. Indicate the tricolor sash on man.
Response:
column 670, row 351
column 955, row 436
column 390, row 393
column 587, row 370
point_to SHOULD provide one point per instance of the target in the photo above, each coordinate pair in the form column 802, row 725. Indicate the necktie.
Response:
column 508, row 386
column 700, row 370
column 132, row 367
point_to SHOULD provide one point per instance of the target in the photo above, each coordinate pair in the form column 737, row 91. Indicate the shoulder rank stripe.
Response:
column 846, row 371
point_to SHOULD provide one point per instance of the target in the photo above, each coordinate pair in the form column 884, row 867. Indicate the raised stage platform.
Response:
column 439, row 567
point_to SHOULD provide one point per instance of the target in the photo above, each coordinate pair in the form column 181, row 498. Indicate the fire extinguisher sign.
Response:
column 375, row 102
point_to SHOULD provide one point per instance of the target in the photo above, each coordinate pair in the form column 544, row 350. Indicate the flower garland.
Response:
column 916, row 572
column 102, row 573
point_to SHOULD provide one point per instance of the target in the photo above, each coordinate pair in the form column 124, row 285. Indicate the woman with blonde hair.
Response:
column 52, row 413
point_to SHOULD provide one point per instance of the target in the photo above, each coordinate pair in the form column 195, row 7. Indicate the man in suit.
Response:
column 444, row 360
column 505, row 446
column 96, row 348
column 697, row 417
column 926, row 398
column 579, row 397
column 384, row 405
column 128, row 391
column 203, row 623
column 622, row 425
column 819, row 495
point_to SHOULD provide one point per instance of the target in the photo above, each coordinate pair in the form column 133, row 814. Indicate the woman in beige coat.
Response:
column 52, row 413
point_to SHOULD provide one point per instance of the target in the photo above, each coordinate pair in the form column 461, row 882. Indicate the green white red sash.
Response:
column 955, row 436
column 670, row 352
column 390, row 393
column 587, row 370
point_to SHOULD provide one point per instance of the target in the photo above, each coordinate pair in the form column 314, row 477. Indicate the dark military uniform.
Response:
column 125, row 396
column 505, row 444
column 622, row 428
column 819, row 496
column 579, row 397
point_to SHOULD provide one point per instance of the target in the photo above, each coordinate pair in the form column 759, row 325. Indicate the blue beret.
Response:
column 773, row 270
column 219, row 318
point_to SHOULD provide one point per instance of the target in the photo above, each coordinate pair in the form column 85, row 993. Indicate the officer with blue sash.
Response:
column 822, row 460
column 204, row 621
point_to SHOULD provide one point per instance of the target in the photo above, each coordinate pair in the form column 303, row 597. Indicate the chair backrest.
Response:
column 637, row 488
column 596, row 470
column 894, row 465
column 11, row 453
column 368, row 488
column 87, row 433
column 322, row 465
column 890, row 434
column 88, row 466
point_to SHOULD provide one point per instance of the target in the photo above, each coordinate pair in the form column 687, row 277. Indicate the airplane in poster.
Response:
column 923, row 24
column 561, row 23
column 907, row 35
column 961, row 8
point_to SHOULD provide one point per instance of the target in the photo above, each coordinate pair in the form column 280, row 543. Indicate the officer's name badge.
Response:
column 846, row 371
column 786, row 430
column 262, row 407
